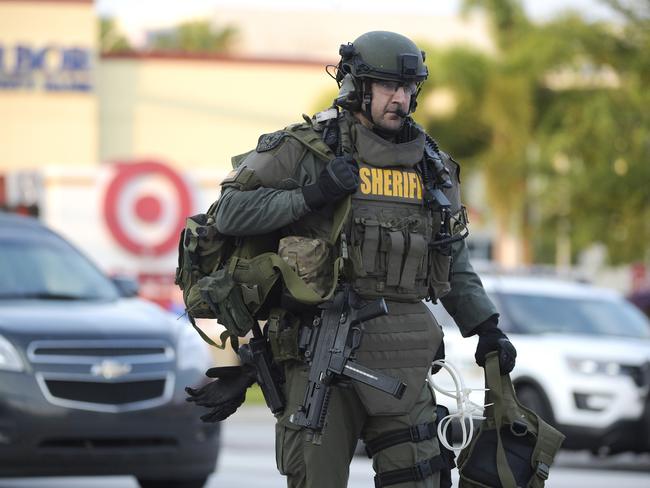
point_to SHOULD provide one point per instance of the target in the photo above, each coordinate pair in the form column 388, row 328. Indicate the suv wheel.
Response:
column 198, row 482
column 533, row 398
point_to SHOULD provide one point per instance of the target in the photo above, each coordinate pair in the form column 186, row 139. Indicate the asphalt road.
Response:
column 248, row 460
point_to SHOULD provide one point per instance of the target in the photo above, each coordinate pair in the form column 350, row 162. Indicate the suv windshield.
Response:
column 45, row 267
column 538, row 314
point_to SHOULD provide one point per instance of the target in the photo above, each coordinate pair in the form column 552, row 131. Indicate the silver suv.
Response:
column 583, row 359
column 92, row 377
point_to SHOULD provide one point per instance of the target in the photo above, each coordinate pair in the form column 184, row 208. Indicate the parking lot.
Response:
column 248, row 460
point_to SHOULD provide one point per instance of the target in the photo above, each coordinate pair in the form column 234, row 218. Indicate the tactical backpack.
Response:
column 514, row 447
column 229, row 278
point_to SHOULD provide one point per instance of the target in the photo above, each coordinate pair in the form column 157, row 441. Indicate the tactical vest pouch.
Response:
column 283, row 329
column 201, row 250
column 310, row 259
column 388, row 252
column 514, row 447
column 226, row 302
column 439, row 275
column 205, row 274
column 441, row 263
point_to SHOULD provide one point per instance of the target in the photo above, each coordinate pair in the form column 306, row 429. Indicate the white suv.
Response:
column 583, row 359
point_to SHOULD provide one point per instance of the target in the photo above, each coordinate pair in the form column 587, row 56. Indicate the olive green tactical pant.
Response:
column 327, row 465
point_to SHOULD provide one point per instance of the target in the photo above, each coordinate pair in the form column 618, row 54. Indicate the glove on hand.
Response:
column 491, row 338
column 339, row 178
column 225, row 394
column 440, row 354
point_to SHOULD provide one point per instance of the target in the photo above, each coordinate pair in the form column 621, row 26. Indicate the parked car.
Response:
column 583, row 359
column 92, row 377
column 641, row 299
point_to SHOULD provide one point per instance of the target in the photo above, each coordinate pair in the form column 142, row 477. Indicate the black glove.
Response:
column 491, row 338
column 440, row 354
column 225, row 394
column 339, row 178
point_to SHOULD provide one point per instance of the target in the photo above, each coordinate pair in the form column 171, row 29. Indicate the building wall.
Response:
column 199, row 111
column 41, row 125
column 188, row 111
column 317, row 31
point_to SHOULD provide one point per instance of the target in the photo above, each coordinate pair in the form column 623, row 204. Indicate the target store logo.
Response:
column 145, row 207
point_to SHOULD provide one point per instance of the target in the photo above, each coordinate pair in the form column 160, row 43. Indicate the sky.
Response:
column 141, row 14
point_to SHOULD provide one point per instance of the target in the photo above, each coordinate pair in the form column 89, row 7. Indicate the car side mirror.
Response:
column 127, row 286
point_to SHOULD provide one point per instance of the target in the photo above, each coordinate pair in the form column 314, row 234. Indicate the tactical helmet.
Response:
column 377, row 55
column 383, row 55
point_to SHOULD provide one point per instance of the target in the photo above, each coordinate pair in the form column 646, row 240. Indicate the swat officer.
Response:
column 398, row 243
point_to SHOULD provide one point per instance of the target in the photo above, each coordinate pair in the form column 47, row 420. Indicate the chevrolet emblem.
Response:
column 110, row 369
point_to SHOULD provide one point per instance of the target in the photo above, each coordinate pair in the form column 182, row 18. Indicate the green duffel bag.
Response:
column 514, row 447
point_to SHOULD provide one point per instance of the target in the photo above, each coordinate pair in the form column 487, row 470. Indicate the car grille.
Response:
column 97, row 351
column 112, row 443
column 106, row 393
column 104, row 375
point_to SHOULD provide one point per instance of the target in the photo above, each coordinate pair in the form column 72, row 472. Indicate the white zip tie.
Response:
column 467, row 411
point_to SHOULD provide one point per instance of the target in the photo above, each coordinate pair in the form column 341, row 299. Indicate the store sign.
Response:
column 145, row 207
column 49, row 68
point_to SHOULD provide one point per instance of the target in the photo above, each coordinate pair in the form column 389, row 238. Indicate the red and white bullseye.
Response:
column 145, row 207
column 148, row 209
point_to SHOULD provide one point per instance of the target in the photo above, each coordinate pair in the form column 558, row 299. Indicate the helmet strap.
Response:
column 414, row 99
column 366, row 100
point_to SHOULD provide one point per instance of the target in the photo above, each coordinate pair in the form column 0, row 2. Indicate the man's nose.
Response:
column 401, row 96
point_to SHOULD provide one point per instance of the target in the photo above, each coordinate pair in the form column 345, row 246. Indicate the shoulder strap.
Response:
column 223, row 337
column 493, row 380
column 548, row 439
column 239, row 158
column 262, row 270
column 311, row 139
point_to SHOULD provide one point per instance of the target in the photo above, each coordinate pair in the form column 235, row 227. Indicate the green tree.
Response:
column 197, row 36
column 463, row 72
column 603, row 128
column 111, row 40
column 556, row 121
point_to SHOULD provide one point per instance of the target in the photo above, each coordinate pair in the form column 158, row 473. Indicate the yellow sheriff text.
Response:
column 390, row 183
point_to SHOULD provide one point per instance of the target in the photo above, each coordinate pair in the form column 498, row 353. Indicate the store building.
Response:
column 114, row 151
column 48, row 102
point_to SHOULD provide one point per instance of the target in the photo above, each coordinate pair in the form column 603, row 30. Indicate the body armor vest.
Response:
column 389, row 233
column 390, row 229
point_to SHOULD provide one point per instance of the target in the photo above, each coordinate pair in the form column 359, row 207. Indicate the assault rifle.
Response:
column 329, row 347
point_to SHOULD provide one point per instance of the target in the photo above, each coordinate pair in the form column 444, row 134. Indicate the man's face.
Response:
column 390, row 103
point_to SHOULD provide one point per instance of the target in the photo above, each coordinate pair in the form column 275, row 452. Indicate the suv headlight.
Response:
column 593, row 366
column 192, row 352
column 9, row 358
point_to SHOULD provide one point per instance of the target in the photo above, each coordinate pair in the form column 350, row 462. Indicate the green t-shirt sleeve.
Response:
column 467, row 302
